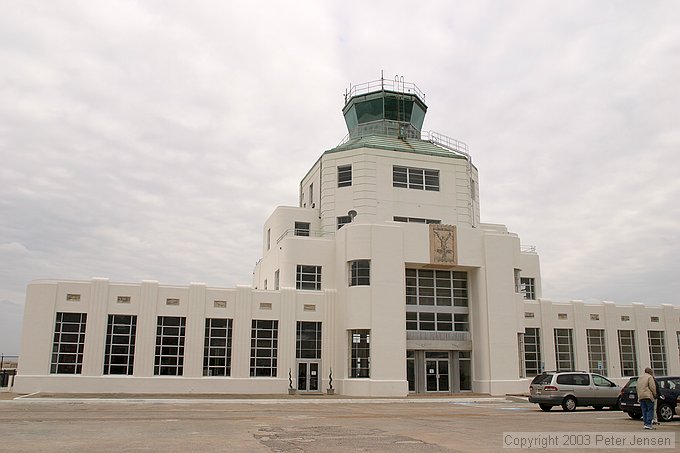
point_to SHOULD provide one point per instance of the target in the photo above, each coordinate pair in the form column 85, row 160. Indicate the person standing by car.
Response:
column 646, row 391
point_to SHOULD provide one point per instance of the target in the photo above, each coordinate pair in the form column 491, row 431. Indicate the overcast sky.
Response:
column 151, row 139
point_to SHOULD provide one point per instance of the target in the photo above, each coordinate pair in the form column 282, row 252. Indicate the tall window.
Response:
column 69, row 341
column 657, row 351
column 217, row 347
column 415, row 178
column 308, row 340
column 527, row 288
column 311, row 195
column 308, row 277
column 564, row 350
column 520, row 349
column 343, row 220
column 264, row 338
column 170, row 332
column 360, row 273
column 302, row 228
column 269, row 238
column 443, row 288
column 597, row 355
column 532, row 351
column 360, row 353
column 276, row 279
column 119, row 354
column 629, row 366
column 344, row 175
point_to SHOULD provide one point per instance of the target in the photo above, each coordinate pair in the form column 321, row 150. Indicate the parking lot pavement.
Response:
column 438, row 424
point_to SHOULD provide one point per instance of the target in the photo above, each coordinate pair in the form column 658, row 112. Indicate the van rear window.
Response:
column 573, row 379
column 542, row 379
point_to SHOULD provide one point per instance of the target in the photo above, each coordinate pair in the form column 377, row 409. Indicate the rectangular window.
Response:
column 343, row 220
column 217, row 347
column 308, row 340
column 657, row 351
column 597, row 354
column 460, row 322
column 415, row 178
column 170, row 332
column 311, row 195
column 520, row 349
column 360, row 353
column 360, row 273
column 302, row 228
column 119, row 353
column 69, row 342
column 441, row 288
column 564, row 350
column 527, row 288
column 276, row 279
column 308, row 277
column 269, row 238
column 344, row 175
column 416, row 220
column 263, row 348
column 532, row 351
column 629, row 366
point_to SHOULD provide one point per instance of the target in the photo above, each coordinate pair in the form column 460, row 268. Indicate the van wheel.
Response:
column 569, row 404
column 665, row 412
column 634, row 416
column 545, row 407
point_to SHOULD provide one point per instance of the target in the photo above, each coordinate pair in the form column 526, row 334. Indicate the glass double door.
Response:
column 437, row 372
column 308, row 375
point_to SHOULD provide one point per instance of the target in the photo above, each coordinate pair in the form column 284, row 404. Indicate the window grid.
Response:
column 302, row 228
column 217, row 347
column 532, row 351
column 360, row 273
column 308, row 277
column 263, row 348
column 527, row 288
column 308, row 340
column 69, row 342
column 443, row 288
column 415, row 178
column 119, row 353
column 170, row 332
column 627, row 353
column 344, row 175
column 360, row 345
column 416, row 220
column 564, row 350
column 657, row 351
column 597, row 353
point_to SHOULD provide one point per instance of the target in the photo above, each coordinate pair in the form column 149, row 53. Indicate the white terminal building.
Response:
column 383, row 281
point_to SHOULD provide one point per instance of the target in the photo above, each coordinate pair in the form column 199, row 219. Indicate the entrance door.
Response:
column 308, row 376
column 437, row 371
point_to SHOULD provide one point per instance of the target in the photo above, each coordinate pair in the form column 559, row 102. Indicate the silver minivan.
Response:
column 570, row 389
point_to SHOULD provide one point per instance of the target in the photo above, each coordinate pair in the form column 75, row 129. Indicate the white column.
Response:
column 95, row 333
column 145, row 348
column 240, row 360
column 195, row 331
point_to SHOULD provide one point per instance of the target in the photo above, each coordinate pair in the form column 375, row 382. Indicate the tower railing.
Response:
column 398, row 85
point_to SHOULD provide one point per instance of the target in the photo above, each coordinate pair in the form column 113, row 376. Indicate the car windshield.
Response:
column 542, row 379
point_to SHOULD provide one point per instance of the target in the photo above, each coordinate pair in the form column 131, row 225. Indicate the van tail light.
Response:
column 549, row 388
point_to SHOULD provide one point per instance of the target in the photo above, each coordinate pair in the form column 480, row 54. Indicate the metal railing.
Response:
column 437, row 336
column 436, row 138
column 398, row 85
column 308, row 233
column 527, row 248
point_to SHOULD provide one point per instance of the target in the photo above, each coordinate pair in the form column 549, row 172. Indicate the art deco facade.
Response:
column 383, row 281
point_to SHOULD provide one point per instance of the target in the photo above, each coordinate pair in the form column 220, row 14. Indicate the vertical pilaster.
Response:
column 240, row 361
column 193, row 346
column 611, row 335
column 328, row 356
column 95, row 333
column 579, row 335
column 145, row 348
column 641, row 337
column 672, row 323
column 549, row 361
column 287, row 333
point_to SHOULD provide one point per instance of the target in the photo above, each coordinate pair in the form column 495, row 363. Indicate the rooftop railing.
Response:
column 384, row 130
column 527, row 248
column 398, row 85
column 304, row 233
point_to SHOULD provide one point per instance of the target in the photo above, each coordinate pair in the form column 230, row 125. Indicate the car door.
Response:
column 605, row 391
